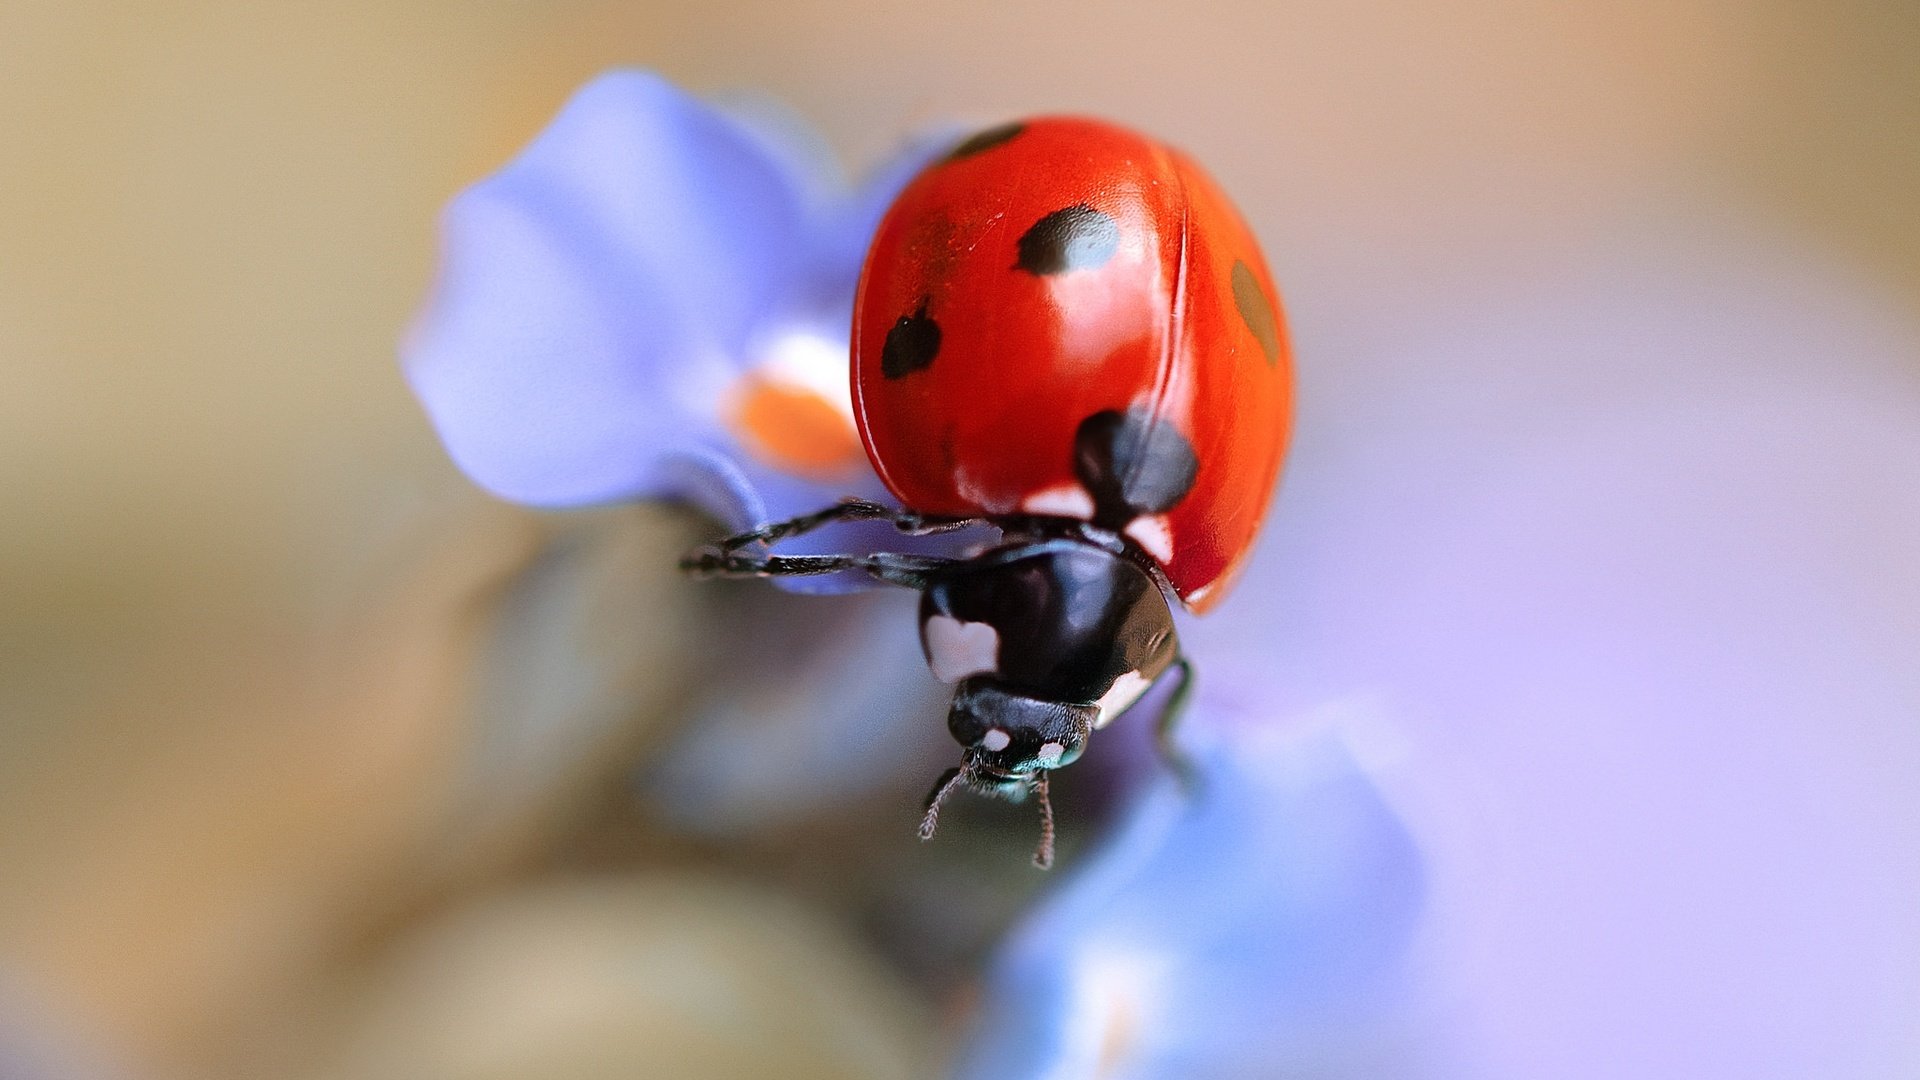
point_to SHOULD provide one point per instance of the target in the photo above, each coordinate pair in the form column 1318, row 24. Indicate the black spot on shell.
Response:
column 1132, row 464
column 1072, row 238
column 985, row 140
column 1255, row 311
column 911, row 344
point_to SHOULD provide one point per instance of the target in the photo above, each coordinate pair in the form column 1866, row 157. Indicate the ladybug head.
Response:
column 1009, row 736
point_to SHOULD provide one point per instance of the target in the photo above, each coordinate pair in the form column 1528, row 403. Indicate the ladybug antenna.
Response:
column 1043, row 852
column 942, row 787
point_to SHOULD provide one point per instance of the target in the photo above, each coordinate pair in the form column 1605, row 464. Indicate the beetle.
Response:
column 1064, row 330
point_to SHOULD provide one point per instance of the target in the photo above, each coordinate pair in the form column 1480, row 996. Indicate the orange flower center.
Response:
column 793, row 427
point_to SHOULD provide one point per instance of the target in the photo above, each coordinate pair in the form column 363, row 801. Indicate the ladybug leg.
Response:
column 728, row 557
column 844, row 510
column 1166, row 727
column 922, row 525
column 893, row 568
column 907, row 522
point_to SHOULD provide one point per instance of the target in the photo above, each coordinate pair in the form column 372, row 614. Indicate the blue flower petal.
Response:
column 605, row 297
column 1254, row 929
column 600, row 291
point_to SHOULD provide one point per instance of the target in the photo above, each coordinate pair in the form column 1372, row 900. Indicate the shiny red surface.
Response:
column 1023, row 358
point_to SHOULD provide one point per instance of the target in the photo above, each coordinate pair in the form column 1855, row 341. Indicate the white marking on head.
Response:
column 1049, row 755
column 1120, row 697
column 1060, row 500
column 996, row 740
column 1154, row 534
column 958, row 649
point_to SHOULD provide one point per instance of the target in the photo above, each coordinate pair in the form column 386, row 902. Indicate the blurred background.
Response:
column 297, row 775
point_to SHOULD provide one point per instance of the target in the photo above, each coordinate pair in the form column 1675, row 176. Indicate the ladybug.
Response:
column 1063, row 330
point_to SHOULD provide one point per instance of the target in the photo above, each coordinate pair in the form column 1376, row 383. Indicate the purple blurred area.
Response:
column 1575, row 689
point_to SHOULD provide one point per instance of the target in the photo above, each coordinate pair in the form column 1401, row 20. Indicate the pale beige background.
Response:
column 237, row 577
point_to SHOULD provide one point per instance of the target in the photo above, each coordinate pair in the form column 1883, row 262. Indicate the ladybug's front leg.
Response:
column 1166, row 727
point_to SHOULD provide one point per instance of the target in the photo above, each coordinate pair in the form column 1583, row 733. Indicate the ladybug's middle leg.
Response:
column 893, row 568
column 845, row 510
column 774, row 532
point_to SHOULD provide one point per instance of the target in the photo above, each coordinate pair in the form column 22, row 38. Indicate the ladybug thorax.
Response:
column 1046, row 641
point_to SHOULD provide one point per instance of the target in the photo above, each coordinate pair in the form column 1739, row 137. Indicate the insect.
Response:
column 1063, row 330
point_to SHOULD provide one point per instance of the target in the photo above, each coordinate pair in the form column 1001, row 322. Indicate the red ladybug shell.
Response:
column 1065, row 318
